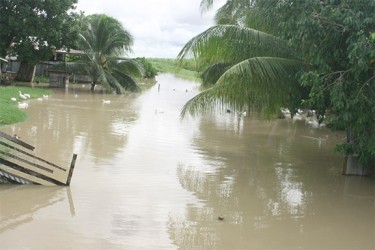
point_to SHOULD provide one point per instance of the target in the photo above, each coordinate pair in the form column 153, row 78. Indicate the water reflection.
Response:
column 265, row 178
column 23, row 202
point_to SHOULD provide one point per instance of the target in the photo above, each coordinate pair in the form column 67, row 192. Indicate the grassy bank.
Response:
column 9, row 112
column 186, row 69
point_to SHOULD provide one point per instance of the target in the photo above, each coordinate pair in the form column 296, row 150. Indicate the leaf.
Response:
column 261, row 84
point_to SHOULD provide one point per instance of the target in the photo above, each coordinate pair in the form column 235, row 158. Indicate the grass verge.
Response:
column 9, row 112
column 186, row 69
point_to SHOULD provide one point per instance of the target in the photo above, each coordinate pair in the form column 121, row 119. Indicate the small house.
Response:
column 58, row 78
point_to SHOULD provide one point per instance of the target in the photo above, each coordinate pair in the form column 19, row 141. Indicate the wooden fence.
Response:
column 19, row 165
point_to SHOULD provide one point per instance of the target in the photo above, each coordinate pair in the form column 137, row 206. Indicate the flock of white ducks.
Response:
column 25, row 96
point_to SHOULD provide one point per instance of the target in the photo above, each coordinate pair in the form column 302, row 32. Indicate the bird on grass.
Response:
column 23, row 105
column 13, row 99
column 22, row 95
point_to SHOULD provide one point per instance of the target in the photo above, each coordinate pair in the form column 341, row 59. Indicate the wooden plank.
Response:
column 25, row 173
column 26, row 161
column 30, row 172
column 26, row 176
column 32, row 156
column 15, row 140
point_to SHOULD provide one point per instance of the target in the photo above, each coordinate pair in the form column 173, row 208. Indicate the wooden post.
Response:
column 72, row 164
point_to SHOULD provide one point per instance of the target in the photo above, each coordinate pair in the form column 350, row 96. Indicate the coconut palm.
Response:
column 251, row 69
column 106, row 43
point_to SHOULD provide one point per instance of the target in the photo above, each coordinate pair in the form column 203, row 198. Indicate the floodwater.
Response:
column 145, row 179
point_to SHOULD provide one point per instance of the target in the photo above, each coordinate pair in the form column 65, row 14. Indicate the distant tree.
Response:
column 149, row 69
column 32, row 29
column 106, row 43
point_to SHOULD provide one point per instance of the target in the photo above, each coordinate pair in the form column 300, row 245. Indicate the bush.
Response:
column 149, row 70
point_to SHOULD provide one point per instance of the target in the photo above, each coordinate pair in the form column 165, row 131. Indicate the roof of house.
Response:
column 71, row 51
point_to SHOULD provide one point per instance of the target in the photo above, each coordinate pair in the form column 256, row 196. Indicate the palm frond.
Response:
column 232, row 44
column 129, row 66
column 212, row 73
column 106, row 35
column 122, row 82
column 262, row 16
column 206, row 5
column 261, row 84
column 77, row 67
column 233, row 12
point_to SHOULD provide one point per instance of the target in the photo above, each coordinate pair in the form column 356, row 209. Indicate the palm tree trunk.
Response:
column 93, row 84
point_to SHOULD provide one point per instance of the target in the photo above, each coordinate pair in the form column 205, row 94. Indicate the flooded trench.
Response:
column 145, row 179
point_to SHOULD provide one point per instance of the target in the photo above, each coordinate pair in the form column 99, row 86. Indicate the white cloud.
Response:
column 160, row 27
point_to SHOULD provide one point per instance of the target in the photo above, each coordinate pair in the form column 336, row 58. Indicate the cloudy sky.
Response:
column 160, row 27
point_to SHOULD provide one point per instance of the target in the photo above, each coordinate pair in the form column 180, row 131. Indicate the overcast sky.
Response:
column 160, row 27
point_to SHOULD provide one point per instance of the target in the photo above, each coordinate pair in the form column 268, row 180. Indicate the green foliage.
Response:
column 149, row 70
column 336, row 37
column 11, row 114
column 250, row 64
column 232, row 44
column 32, row 29
column 242, row 88
column 333, row 41
column 186, row 68
column 212, row 73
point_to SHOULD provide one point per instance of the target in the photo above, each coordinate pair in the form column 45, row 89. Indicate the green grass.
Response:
column 186, row 69
column 41, row 79
column 9, row 112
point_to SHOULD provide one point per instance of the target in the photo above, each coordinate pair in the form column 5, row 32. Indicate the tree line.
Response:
column 33, row 30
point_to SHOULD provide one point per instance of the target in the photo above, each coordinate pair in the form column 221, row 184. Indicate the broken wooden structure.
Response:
column 18, row 165
column 58, row 78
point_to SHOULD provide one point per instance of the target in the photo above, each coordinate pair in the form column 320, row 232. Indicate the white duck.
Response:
column 23, row 105
column 22, row 95
column 106, row 101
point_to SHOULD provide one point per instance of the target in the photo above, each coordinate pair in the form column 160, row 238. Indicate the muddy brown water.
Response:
column 145, row 179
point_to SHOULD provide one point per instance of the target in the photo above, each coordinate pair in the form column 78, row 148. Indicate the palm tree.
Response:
column 251, row 69
column 106, row 43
